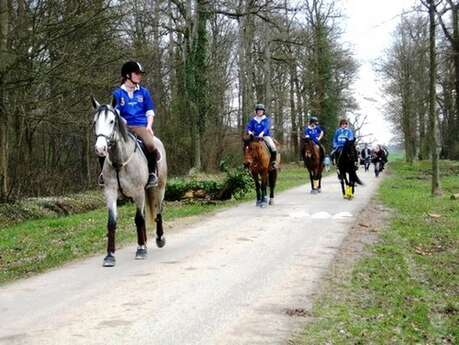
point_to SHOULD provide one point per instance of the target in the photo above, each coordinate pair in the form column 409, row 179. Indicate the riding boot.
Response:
column 273, row 160
column 322, row 153
column 152, row 158
column 100, row 178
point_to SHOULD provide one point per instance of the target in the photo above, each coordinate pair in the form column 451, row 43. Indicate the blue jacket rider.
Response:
column 342, row 134
column 315, row 133
column 259, row 126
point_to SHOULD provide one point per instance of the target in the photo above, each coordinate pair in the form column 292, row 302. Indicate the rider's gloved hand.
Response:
column 260, row 135
column 249, row 132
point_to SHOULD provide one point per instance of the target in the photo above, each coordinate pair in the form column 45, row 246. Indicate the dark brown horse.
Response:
column 346, row 160
column 313, row 161
column 257, row 160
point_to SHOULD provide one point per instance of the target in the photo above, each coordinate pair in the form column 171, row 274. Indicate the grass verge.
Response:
column 37, row 245
column 406, row 290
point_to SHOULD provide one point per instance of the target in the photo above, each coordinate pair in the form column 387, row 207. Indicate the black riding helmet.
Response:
column 131, row 67
column 260, row 106
column 313, row 119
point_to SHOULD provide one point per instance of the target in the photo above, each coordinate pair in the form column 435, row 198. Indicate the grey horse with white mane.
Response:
column 125, row 173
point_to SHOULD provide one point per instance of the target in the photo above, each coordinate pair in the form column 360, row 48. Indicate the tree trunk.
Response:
column 267, row 68
column 293, row 111
column 436, row 190
column 4, row 182
column 455, row 129
column 245, row 63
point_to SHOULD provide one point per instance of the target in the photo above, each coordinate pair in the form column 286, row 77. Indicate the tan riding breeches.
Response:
column 270, row 142
column 145, row 135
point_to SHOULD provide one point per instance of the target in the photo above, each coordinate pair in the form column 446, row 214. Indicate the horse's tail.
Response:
column 154, row 196
column 150, row 208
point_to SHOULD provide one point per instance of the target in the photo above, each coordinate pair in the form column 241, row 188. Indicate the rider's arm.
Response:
column 321, row 135
column 350, row 134
column 335, row 139
column 268, row 125
column 149, row 105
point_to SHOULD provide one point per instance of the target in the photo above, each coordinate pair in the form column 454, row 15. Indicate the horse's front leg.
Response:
column 341, row 180
column 109, row 260
column 311, row 179
column 348, row 185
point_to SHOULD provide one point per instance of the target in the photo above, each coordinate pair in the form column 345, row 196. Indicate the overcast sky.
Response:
column 369, row 27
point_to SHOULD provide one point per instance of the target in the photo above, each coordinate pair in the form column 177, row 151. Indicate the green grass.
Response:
column 406, row 290
column 37, row 245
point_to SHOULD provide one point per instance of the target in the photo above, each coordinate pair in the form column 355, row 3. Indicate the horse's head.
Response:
column 350, row 151
column 307, row 147
column 107, row 125
column 247, row 139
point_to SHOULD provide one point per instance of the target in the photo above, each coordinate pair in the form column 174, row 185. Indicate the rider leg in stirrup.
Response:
column 272, row 148
column 152, row 154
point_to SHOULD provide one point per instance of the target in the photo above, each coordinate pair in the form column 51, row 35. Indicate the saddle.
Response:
column 142, row 146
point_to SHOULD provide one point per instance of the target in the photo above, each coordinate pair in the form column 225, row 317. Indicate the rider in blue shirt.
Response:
column 315, row 133
column 137, row 108
column 342, row 134
column 259, row 126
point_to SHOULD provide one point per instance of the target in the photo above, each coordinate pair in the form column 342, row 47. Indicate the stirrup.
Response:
column 100, row 180
column 152, row 180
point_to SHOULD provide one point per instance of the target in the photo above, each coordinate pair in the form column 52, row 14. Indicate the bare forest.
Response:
column 207, row 63
column 420, row 78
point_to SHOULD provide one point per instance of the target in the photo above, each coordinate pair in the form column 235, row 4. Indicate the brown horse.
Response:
column 313, row 161
column 257, row 160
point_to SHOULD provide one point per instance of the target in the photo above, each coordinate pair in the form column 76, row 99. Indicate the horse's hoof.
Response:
column 141, row 254
column 160, row 242
column 319, row 190
column 264, row 205
column 258, row 203
column 271, row 201
column 109, row 261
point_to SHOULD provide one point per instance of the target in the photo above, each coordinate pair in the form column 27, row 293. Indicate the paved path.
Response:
column 228, row 279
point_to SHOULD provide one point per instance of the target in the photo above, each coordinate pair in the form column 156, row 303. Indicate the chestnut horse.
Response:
column 257, row 160
column 313, row 162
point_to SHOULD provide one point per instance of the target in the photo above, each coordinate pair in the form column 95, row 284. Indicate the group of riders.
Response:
column 136, row 107
column 260, row 124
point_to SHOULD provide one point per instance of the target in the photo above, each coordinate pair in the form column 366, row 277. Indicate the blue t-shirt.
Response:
column 341, row 136
column 312, row 133
column 258, row 126
column 134, row 110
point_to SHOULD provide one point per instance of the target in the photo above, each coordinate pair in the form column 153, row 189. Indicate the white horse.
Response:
column 125, row 173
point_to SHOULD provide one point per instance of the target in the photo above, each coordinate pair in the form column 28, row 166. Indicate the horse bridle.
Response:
column 110, row 139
